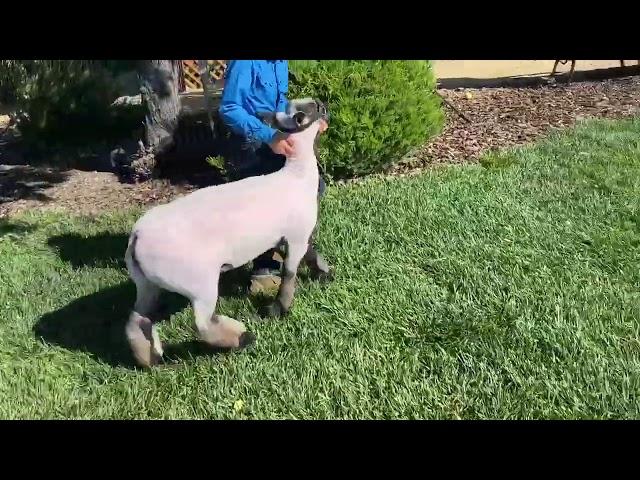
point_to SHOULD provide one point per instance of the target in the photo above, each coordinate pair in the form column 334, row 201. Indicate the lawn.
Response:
column 509, row 289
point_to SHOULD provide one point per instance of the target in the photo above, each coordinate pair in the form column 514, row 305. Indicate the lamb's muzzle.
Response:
column 183, row 246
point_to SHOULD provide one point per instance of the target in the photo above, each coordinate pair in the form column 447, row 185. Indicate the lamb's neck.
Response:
column 303, row 164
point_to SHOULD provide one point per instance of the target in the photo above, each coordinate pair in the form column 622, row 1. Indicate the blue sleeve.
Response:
column 236, row 88
column 283, row 86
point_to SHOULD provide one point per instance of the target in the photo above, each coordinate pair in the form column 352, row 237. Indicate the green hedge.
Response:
column 380, row 110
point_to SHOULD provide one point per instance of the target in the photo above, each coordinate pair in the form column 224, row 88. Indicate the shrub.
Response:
column 13, row 74
column 66, row 101
column 379, row 110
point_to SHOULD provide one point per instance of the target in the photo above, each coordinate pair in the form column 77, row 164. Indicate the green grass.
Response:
column 506, row 290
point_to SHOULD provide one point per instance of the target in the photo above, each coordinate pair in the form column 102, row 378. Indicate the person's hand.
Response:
column 282, row 146
column 323, row 126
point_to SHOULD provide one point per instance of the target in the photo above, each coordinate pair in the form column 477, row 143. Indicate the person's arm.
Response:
column 282, row 75
column 236, row 88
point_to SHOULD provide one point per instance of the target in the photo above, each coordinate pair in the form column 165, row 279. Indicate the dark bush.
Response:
column 13, row 75
column 380, row 110
column 66, row 101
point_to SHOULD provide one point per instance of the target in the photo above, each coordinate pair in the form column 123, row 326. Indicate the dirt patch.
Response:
column 87, row 193
column 500, row 117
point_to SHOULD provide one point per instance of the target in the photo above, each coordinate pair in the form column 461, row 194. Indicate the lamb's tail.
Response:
column 133, row 265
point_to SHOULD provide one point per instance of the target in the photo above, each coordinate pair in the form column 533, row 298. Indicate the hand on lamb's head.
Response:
column 282, row 145
column 310, row 106
column 288, row 123
column 300, row 115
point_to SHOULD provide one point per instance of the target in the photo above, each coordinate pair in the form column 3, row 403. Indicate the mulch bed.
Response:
column 87, row 193
column 500, row 117
column 504, row 117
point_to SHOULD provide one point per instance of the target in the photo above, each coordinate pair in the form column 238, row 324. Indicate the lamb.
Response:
column 184, row 245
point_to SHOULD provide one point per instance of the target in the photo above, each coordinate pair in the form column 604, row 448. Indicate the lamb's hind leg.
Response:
column 294, row 254
column 141, row 333
column 218, row 330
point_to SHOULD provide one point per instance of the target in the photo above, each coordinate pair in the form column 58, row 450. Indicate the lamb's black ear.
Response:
column 268, row 117
column 310, row 108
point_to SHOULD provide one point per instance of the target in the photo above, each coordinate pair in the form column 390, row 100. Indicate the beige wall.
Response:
column 509, row 68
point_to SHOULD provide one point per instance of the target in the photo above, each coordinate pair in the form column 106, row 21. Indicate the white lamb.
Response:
column 184, row 245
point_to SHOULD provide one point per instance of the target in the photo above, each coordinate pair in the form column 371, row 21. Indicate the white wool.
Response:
column 179, row 245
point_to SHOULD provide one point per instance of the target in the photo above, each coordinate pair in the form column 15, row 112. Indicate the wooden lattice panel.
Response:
column 217, row 69
column 191, row 73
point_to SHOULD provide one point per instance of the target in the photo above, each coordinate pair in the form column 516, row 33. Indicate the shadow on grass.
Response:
column 14, row 228
column 102, row 250
column 95, row 323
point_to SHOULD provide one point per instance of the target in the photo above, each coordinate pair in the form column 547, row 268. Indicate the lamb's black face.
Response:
column 300, row 114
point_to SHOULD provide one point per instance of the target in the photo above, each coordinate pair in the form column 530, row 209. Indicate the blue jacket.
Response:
column 251, row 87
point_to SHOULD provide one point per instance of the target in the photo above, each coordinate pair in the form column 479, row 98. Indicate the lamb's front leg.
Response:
column 294, row 254
column 319, row 267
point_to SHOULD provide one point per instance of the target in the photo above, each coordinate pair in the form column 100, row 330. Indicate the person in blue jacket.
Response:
column 253, row 87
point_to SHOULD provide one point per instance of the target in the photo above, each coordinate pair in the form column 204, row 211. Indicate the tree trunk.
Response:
column 207, row 88
column 160, row 81
column 159, row 88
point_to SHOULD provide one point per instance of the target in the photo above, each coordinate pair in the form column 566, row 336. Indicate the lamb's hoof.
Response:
column 273, row 310
column 146, row 356
column 322, row 276
column 246, row 340
column 325, row 277
column 139, row 334
column 154, row 360
column 267, row 285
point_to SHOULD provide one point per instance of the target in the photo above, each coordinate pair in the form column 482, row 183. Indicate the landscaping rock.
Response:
column 5, row 120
